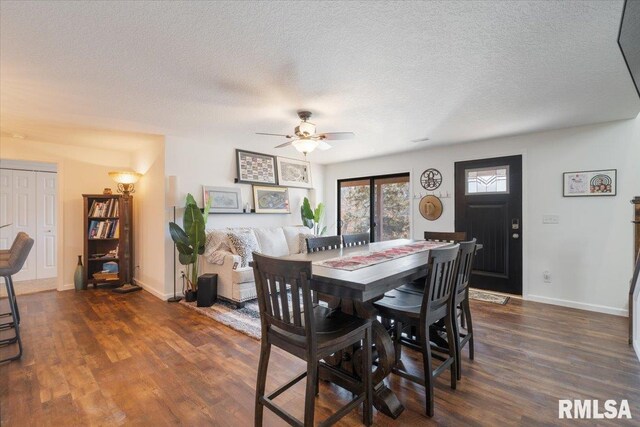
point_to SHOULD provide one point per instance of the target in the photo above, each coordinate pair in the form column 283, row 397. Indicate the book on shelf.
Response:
column 108, row 208
column 106, row 229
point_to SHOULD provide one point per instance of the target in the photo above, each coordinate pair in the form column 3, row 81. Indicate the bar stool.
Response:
column 5, row 254
column 8, row 267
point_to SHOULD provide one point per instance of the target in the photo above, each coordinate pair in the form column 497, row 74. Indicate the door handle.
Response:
column 515, row 235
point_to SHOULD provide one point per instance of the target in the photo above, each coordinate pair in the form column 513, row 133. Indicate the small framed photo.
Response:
column 590, row 183
column 223, row 199
column 294, row 173
column 256, row 168
column 271, row 199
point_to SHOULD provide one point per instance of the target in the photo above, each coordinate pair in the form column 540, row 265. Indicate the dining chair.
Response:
column 453, row 237
column 421, row 311
column 434, row 236
column 8, row 267
column 311, row 332
column 460, row 298
column 317, row 244
column 359, row 239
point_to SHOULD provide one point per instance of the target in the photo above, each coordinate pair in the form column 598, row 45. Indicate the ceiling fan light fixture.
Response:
column 305, row 145
column 306, row 129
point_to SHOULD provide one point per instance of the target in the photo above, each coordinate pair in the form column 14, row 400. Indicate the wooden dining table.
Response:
column 356, row 291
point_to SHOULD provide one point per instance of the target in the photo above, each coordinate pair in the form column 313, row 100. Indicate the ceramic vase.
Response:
column 78, row 277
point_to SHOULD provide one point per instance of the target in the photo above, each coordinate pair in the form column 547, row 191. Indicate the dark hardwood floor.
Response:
column 98, row 358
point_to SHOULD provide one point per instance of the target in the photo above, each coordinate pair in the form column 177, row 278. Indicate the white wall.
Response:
column 84, row 170
column 589, row 254
column 149, row 202
column 198, row 163
column 80, row 170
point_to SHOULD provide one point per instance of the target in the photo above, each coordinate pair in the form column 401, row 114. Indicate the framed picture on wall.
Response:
column 256, row 168
column 269, row 199
column 294, row 173
column 223, row 199
column 590, row 183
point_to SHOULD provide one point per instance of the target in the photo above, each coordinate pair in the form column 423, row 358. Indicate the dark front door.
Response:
column 489, row 208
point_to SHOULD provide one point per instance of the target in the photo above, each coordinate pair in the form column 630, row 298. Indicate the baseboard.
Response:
column 153, row 291
column 68, row 287
column 579, row 305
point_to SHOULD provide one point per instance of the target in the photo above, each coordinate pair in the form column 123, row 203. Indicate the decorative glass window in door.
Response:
column 487, row 180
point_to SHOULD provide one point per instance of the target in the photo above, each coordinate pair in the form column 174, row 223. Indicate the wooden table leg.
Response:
column 384, row 399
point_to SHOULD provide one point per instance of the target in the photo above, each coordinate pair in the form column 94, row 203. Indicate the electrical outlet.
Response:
column 550, row 219
column 546, row 275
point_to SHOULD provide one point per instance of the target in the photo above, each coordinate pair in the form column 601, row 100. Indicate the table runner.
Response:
column 366, row 259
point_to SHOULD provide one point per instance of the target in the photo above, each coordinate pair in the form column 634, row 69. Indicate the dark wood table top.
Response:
column 368, row 282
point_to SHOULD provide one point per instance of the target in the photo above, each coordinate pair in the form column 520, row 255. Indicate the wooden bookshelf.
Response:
column 107, row 237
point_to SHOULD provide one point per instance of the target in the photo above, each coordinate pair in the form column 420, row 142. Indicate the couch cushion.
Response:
column 292, row 234
column 242, row 275
column 243, row 244
column 272, row 241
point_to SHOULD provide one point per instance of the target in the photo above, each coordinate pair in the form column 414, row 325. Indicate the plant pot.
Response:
column 190, row 296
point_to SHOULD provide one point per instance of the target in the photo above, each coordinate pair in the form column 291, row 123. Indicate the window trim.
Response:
column 372, row 179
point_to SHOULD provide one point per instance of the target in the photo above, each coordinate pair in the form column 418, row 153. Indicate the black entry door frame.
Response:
column 502, row 265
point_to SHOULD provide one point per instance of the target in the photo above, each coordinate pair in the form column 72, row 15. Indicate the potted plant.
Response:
column 190, row 242
column 312, row 218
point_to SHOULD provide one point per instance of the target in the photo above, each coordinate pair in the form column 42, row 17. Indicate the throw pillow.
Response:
column 272, row 241
column 217, row 240
column 302, row 242
column 292, row 234
column 243, row 244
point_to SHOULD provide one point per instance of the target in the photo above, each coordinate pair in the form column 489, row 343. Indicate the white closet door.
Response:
column 24, row 219
column 46, row 226
column 6, row 208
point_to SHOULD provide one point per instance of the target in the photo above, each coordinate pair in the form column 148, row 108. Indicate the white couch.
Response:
column 238, row 285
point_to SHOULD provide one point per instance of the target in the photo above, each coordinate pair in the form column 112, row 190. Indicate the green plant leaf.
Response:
column 324, row 230
column 307, row 212
column 190, row 200
column 186, row 259
column 184, row 249
column 319, row 213
column 178, row 235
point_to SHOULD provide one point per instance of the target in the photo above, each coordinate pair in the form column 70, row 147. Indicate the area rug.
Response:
column 487, row 297
column 245, row 320
column 366, row 259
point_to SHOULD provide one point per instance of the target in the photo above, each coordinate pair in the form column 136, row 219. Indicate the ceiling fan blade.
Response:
column 273, row 134
column 420, row 140
column 322, row 145
column 337, row 135
column 286, row 144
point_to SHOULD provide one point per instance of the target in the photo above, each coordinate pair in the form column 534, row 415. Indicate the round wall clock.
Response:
column 431, row 179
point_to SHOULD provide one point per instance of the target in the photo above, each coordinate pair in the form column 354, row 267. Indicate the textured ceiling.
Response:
column 388, row 71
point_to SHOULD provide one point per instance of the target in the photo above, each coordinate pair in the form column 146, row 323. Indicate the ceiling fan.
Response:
column 305, row 139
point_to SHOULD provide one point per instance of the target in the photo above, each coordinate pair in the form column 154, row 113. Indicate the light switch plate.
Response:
column 551, row 219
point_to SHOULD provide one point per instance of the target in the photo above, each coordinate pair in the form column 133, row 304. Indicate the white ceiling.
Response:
column 389, row 71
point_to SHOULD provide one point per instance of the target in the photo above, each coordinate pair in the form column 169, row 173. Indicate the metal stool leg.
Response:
column 13, row 307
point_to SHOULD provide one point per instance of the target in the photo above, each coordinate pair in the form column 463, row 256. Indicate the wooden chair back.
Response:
column 359, row 239
column 453, row 237
column 295, row 316
column 465, row 265
column 436, row 300
column 317, row 244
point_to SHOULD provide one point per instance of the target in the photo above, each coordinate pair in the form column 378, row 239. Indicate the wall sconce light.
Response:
column 125, row 181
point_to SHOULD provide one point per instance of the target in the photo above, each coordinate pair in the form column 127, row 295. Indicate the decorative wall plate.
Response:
column 431, row 179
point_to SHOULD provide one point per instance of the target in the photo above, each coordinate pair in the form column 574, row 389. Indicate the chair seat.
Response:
column 406, row 305
column 416, row 287
column 332, row 328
